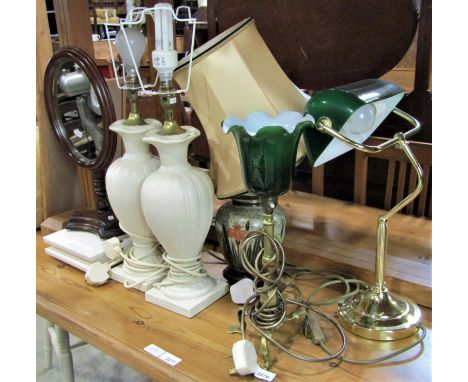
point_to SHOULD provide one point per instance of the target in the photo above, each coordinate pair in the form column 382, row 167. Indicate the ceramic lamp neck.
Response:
column 132, row 136
column 173, row 155
column 173, row 149
column 135, row 146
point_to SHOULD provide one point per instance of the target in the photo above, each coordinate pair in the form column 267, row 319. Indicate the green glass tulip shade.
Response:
column 356, row 110
column 267, row 149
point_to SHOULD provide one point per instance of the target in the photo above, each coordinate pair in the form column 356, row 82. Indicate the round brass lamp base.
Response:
column 377, row 314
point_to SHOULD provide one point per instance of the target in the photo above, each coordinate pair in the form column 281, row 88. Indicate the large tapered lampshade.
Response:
column 236, row 74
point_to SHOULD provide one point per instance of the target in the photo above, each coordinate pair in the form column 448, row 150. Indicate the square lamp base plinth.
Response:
column 119, row 274
column 188, row 307
column 74, row 261
column 77, row 248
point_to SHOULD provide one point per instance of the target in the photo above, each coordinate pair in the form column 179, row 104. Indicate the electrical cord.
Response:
column 182, row 271
column 269, row 281
column 141, row 268
column 134, row 265
column 215, row 255
column 274, row 278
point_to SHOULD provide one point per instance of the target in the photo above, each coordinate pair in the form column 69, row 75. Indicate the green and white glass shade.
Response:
column 267, row 148
column 355, row 110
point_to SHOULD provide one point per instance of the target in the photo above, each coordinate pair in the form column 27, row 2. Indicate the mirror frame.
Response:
column 101, row 220
column 86, row 63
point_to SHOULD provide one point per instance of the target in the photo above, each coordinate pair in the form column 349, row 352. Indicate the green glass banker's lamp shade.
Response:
column 267, row 147
column 355, row 110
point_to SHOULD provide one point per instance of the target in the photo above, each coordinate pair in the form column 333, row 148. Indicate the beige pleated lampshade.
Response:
column 235, row 74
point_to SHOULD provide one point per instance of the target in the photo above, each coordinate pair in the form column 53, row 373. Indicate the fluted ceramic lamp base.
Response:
column 377, row 314
column 188, row 300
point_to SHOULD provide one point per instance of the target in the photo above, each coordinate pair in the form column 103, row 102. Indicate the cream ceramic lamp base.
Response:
column 124, row 179
column 178, row 203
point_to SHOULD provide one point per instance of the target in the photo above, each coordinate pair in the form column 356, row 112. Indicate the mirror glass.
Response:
column 78, row 111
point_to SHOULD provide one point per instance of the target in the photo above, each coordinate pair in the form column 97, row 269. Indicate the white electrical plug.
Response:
column 241, row 291
column 112, row 248
column 245, row 358
column 97, row 273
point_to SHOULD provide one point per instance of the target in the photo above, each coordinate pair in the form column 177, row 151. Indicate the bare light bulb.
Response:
column 362, row 120
column 164, row 56
column 164, row 27
column 136, row 45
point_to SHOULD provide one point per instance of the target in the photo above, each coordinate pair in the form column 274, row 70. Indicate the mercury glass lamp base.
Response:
column 377, row 314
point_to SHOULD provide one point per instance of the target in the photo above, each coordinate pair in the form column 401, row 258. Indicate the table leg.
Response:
column 64, row 354
column 47, row 344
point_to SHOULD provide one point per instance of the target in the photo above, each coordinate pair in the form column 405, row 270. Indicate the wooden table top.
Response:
column 121, row 323
column 325, row 232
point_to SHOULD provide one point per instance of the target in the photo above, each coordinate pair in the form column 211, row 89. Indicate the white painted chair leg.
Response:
column 64, row 354
column 47, row 344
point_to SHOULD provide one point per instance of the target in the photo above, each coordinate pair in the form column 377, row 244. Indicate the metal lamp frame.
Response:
column 376, row 313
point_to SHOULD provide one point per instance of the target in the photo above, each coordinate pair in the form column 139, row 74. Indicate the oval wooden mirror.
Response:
column 80, row 110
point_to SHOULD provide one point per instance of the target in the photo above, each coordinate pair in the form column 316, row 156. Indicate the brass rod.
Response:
column 383, row 219
column 417, row 167
column 381, row 251
column 168, row 101
column 269, row 230
column 324, row 124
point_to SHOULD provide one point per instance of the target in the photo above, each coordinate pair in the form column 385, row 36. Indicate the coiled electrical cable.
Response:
column 134, row 265
column 182, row 271
column 274, row 277
column 263, row 315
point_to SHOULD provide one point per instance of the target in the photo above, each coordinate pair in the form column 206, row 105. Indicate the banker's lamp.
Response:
column 345, row 117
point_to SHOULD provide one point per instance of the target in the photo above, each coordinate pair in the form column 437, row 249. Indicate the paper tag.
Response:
column 172, row 100
column 154, row 350
column 264, row 375
column 170, row 359
column 110, row 217
column 162, row 355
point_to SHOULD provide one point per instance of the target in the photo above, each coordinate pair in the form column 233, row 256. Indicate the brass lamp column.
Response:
column 134, row 117
column 376, row 313
column 168, row 100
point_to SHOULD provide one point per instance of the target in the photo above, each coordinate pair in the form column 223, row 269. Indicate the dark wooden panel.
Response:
column 322, row 43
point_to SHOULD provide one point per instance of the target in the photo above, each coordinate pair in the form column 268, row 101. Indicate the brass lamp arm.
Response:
column 403, row 144
column 382, row 228
column 324, row 125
